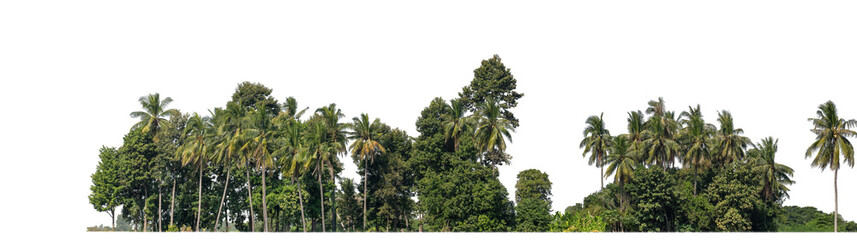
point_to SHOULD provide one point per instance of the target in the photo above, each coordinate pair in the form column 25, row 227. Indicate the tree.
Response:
column 532, row 196
column 637, row 134
column 292, row 157
column 654, row 202
column 491, row 134
column 621, row 162
column 457, row 122
column 695, row 138
column 197, row 151
column 105, row 180
column 831, row 142
column 661, row 128
column 137, row 170
column 731, row 145
column 153, row 116
column 492, row 80
column 254, row 95
column 596, row 141
column 336, row 139
column 365, row 147
column 349, row 203
column 775, row 176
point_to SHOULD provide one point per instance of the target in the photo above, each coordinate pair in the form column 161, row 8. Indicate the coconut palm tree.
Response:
column 260, row 148
column 291, row 157
column 492, row 131
column 775, row 176
column 336, row 138
column 620, row 160
column 695, row 139
column 197, row 151
column 154, row 114
column 457, row 123
column 831, row 142
column 596, row 142
column 365, row 146
column 731, row 144
column 661, row 146
column 290, row 109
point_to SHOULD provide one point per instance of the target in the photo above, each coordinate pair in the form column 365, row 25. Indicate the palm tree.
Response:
column 259, row 149
column 290, row 109
column 457, row 123
column 661, row 129
column 492, row 130
column 596, row 141
column 695, row 138
column 637, row 134
column 365, row 146
column 319, row 152
column 731, row 145
column 775, row 176
column 153, row 118
column 235, row 125
column 831, row 141
column 621, row 161
column 291, row 157
column 197, row 151
column 337, row 138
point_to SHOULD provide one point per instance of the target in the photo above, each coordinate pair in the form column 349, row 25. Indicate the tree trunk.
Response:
column 333, row 199
column 225, row 186
column 250, row 197
column 600, row 164
column 365, row 190
column 160, row 226
column 321, row 194
column 301, row 198
column 113, row 219
column 694, row 180
column 835, row 202
column 264, row 202
column 173, row 201
column 199, row 198
column 143, row 210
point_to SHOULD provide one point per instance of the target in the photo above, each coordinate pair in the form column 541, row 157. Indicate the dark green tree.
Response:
column 533, row 203
column 492, row 80
column 105, row 180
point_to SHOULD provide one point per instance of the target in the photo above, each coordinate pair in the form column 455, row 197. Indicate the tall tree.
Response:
column 492, row 131
column 292, row 158
column 105, row 184
column 197, row 151
column 695, row 138
column 365, row 146
column 596, row 141
column 457, row 123
column 731, row 144
column 154, row 114
column 620, row 161
column 637, row 134
column 492, row 80
column 775, row 176
column 662, row 128
column 259, row 149
column 336, row 140
column 831, row 142
column 532, row 196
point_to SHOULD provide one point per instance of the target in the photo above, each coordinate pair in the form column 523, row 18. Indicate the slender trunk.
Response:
column 333, row 199
column 145, row 220
column 835, row 202
column 160, row 227
column 227, row 220
column 143, row 210
column 600, row 164
column 301, row 199
column 199, row 198
column 321, row 194
column 173, row 201
column 250, row 197
column 225, row 186
column 113, row 219
column 264, row 202
column 365, row 190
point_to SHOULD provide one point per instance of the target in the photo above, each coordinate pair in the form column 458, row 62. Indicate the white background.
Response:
column 72, row 72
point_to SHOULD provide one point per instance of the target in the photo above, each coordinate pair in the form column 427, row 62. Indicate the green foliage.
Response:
column 532, row 215
column 492, row 80
column 581, row 221
column 533, row 184
column 105, row 183
column 653, row 199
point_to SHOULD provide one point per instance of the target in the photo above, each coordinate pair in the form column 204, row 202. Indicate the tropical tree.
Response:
column 105, row 184
column 596, row 142
column 731, row 144
column 154, row 114
column 620, row 161
column 831, row 142
column 260, row 148
column 662, row 128
column 492, row 130
column 637, row 134
column 292, row 158
column 775, row 176
column 695, row 141
column 457, row 123
column 197, row 151
column 365, row 146
column 336, row 140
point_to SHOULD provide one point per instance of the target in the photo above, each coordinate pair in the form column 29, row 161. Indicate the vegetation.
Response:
column 258, row 164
